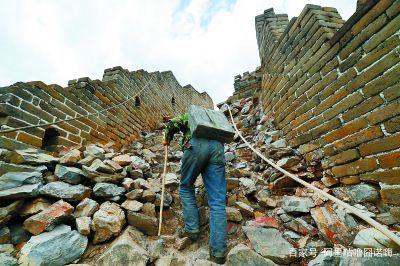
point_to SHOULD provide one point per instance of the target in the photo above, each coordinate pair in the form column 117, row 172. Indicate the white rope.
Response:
column 350, row 208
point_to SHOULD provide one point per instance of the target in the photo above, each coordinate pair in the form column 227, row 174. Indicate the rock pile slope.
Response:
column 98, row 206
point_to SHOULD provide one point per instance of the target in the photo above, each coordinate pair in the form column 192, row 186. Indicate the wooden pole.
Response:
column 162, row 190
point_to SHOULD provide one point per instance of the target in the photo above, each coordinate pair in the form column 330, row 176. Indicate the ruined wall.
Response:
column 246, row 85
column 35, row 103
column 333, row 88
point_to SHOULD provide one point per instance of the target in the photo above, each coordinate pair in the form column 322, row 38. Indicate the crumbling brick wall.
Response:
column 333, row 88
column 33, row 103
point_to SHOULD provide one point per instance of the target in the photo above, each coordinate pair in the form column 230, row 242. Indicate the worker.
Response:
column 205, row 157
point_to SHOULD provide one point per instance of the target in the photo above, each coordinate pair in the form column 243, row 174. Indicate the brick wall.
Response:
column 35, row 103
column 333, row 88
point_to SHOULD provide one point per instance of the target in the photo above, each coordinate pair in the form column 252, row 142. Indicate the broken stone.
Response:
column 149, row 195
column 156, row 249
column 7, row 167
column 18, row 234
column 70, row 175
column 71, row 158
column 98, row 166
column 331, row 227
column 25, row 191
column 65, row 191
column 327, row 259
column 249, row 185
column 87, row 207
column 128, row 184
column 124, row 251
column 302, row 227
column 390, row 193
column 143, row 223
column 7, row 260
column 242, row 255
column 7, row 212
column 297, row 204
column 288, row 162
column 230, row 156
column 276, row 248
column 132, row 205
column 94, row 151
column 291, row 234
column 123, row 160
column 171, row 180
column 47, row 219
column 7, row 249
column 232, row 183
column 5, row 235
column 279, row 144
column 136, row 173
column 30, row 156
column 167, row 200
column 115, row 166
column 245, row 209
column 149, row 209
column 83, row 225
column 107, row 191
column 395, row 212
column 373, row 238
column 16, row 179
column 58, row 247
column 34, row 206
column 87, row 161
column 232, row 214
column 107, row 222
column 356, row 193
column 134, row 194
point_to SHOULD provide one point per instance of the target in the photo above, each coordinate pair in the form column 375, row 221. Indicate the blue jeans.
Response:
column 205, row 157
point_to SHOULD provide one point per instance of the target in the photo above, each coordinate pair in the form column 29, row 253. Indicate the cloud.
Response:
column 204, row 42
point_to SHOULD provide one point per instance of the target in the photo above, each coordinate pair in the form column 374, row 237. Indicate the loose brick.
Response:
column 385, row 144
column 385, row 176
column 354, row 168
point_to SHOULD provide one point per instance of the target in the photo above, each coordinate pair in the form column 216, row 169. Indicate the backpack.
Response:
column 209, row 124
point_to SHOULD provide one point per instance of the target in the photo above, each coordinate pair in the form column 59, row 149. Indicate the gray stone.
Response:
column 5, row 235
column 297, row 204
column 70, row 175
column 124, row 251
column 17, row 179
column 98, row 166
column 233, row 214
column 167, row 200
column 171, row 180
column 30, row 156
column 242, row 255
column 249, row 185
column 288, row 162
column 25, row 191
column 65, row 191
column 279, row 144
column 94, row 151
column 149, row 195
column 18, row 234
column 301, row 226
column 143, row 223
column 8, row 211
column 136, row 173
column 7, row 260
column 83, row 225
column 132, row 205
column 58, row 247
column 276, row 248
column 327, row 259
column 386, row 218
column 107, row 222
column 156, row 249
column 107, row 191
column 149, row 209
column 8, row 249
column 245, row 209
column 8, row 167
column 230, row 156
column 357, row 193
column 134, row 194
column 372, row 238
column 87, row 207
column 292, row 235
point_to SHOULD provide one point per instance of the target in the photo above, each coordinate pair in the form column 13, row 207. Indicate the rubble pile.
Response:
column 98, row 206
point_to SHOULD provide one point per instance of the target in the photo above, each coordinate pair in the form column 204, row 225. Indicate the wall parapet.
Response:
column 333, row 88
column 33, row 103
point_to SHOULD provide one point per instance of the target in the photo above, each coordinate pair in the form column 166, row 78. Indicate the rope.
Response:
column 162, row 190
column 348, row 207
column 77, row 117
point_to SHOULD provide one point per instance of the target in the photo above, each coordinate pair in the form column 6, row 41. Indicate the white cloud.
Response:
column 204, row 42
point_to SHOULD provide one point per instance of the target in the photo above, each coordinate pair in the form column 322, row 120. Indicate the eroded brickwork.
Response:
column 333, row 89
column 35, row 103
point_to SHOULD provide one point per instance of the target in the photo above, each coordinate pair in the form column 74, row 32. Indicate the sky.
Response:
column 204, row 42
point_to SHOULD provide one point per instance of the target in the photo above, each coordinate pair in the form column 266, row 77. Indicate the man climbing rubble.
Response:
column 206, row 157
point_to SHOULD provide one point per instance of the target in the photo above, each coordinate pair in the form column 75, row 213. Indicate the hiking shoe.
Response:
column 193, row 236
column 218, row 260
